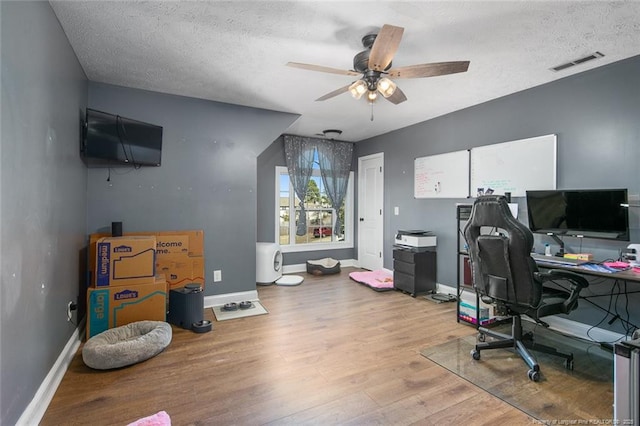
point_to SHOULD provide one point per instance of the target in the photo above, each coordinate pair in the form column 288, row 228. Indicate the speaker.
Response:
column 116, row 229
column 186, row 306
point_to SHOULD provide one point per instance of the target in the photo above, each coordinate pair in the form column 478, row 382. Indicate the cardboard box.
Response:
column 195, row 237
column 169, row 244
column 172, row 245
column 189, row 243
column 180, row 270
column 468, row 313
column 125, row 261
column 111, row 307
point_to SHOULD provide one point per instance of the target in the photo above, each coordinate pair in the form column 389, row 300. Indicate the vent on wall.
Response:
column 579, row 61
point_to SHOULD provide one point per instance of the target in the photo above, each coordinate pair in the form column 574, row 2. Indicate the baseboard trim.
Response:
column 441, row 288
column 580, row 330
column 302, row 267
column 222, row 299
column 34, row 412
column 566, row 326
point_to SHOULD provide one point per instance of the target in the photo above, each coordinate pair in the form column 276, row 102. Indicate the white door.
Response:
column 370, row 214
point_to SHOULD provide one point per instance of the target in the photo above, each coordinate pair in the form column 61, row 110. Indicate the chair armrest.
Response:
column 576, row 283
column 576, row 280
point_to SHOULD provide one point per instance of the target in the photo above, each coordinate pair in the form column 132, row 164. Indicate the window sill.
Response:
column 316, row 247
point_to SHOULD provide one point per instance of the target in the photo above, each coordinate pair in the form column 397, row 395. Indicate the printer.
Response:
column 415, row 238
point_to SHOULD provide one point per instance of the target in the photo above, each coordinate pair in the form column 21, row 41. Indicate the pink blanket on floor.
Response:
column 159, row 419
column 378, row 280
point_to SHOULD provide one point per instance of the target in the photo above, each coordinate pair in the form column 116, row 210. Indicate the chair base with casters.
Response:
column 521, row 343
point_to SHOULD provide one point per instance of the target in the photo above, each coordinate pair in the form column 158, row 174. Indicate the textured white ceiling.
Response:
column 236, row 51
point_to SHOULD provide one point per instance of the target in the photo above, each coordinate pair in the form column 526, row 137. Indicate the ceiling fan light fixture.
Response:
column 371, row 96
column 386, row 87
column 358, row 89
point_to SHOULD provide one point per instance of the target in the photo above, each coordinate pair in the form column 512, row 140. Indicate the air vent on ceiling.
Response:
column 575, row 62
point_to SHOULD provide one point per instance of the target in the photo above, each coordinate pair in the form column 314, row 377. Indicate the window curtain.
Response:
column 299, row 151
column 335, row 165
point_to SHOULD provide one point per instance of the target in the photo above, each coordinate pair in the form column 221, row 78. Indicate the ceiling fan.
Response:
column 373, row 65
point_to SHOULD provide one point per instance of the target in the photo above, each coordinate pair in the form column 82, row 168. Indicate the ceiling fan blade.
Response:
column 334, row 93
column 385, row 47
column 320, row 68
column 429, row 70
column 397, row 97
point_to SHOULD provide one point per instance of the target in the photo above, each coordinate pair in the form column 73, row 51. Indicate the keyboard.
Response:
column 541, row 258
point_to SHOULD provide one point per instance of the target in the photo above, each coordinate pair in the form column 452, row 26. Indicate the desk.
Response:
column 627, row 275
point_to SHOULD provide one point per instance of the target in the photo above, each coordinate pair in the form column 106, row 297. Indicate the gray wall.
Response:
column 207, row 179
column 267, row 161
column 43, row 198
column 594, row 114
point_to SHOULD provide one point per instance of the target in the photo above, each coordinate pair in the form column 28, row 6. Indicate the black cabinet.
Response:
column 414, row 270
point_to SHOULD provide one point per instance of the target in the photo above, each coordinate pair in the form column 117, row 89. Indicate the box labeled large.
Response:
column 125, row 261
column 181, row 270
column 111, row 307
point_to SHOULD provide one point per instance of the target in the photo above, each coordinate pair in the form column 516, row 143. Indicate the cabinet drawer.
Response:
column 404, row 282
column 404, row 255
column 407, row 268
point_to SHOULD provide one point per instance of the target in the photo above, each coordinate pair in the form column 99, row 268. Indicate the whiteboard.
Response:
column 442, row 175
column 516, row 166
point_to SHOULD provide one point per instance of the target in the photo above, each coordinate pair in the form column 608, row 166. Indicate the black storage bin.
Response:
column 186, row 306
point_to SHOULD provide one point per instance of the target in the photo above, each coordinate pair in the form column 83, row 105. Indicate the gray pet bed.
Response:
column 126, row 345
column 324, row 266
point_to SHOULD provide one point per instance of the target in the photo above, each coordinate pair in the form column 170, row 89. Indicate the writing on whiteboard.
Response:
column 442, row 175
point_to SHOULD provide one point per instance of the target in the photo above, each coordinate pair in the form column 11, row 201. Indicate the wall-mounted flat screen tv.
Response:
column 111, row 141
column 588, row 213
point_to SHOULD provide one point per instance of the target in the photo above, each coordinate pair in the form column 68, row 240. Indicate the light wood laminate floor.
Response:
column 330, row 351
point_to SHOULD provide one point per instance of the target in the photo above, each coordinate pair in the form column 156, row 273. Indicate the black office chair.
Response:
column 506, row 276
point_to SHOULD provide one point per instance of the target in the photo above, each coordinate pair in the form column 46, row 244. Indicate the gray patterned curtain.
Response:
column 335, row 165
column 299, row 151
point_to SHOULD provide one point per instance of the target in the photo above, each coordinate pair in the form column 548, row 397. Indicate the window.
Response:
column 321, row 217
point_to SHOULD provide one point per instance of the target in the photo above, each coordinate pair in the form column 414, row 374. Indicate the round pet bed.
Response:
column 126, row 345
column 290, row 280
column 324, row 266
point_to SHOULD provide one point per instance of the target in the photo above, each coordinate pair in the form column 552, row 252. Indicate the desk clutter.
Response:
column 607, row 267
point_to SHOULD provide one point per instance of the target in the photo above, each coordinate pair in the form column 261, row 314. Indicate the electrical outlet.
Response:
column 217, row 275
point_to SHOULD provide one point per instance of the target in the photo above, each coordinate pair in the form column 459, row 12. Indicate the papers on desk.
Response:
column 597, row 267
column 620, row 266
column 606, row 267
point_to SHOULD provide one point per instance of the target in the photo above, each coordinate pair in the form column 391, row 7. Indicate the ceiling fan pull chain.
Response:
column 371, row 111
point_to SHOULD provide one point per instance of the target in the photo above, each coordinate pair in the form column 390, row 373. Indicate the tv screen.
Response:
column 589, row 213
column 111, row 140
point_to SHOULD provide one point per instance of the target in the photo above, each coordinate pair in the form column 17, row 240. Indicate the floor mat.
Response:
column 379, row 280
column 222, row 315
column 560, row 394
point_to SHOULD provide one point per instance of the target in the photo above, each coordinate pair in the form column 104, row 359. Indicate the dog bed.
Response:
column 126, row 345
column 161, row 418
column 378, row 280
column 324, row 266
